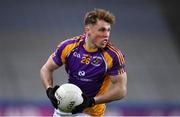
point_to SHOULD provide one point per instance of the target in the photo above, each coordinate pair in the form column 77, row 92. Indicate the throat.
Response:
column 90, row 49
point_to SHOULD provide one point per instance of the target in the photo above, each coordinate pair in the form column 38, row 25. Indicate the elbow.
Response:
column 42, row 70
column 41, row 73
column 122, row 93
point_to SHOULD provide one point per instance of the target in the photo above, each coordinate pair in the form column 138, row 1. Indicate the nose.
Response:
column 106, row 34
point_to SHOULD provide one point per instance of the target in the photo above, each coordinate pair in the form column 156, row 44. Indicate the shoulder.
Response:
column 72, row 41
column 65, row 47
column 115, row 53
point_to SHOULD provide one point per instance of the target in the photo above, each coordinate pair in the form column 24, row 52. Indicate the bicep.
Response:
column 50, row 64
column 120, row 80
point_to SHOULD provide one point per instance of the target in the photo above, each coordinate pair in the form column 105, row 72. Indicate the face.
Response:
column 98, row 34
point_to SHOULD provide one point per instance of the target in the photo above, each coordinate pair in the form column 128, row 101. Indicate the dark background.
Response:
column 147, row 31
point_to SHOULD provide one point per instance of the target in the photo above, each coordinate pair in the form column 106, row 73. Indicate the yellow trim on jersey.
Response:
column 108, row 59
column 120, row 57
column 89, row 50
column 119, row 54
column 105, row 86
column 68, row 49
column 99, row 109
column 96, row 110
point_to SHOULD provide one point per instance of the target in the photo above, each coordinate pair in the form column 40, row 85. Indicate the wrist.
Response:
column 48, row 91
column 92, row 102
column 49, row 86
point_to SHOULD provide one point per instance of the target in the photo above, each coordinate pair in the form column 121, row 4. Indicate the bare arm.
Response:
column 118, row 91
column 46, row 73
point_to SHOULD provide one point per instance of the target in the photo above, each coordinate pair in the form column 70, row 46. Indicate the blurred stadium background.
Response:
column 148, row 31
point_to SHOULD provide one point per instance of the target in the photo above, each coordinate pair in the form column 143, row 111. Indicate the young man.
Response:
column 92, row 64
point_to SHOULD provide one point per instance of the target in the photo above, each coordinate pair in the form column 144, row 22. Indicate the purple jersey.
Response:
column 89, row 69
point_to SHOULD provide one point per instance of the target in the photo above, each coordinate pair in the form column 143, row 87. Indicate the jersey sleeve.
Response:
column 64, row 48
column 60, row 54
column 118, row 65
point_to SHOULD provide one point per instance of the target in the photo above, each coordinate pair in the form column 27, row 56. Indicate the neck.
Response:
column 89, row 46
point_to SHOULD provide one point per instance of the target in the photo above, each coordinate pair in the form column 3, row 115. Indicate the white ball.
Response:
column 68, row 96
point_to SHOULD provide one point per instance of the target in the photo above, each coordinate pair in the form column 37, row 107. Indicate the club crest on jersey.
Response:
column 96, row 61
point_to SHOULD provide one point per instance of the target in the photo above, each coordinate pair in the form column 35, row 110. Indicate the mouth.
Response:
column 104, row 42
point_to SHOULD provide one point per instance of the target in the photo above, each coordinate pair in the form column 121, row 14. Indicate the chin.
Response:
column 102, row 46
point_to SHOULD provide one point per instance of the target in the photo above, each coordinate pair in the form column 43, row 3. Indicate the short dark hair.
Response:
column 101, row 14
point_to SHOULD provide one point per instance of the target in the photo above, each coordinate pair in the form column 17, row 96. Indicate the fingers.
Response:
column 78, row 109
column 55, row 88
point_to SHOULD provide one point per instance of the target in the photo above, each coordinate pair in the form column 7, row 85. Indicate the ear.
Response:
column 86, row 29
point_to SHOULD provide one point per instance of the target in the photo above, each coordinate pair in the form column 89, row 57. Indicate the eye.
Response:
column 104, row 29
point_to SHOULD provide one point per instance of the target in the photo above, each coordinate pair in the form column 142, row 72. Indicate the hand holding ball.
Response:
column 68, row 96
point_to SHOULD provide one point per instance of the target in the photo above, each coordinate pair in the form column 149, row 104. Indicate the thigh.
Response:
column 82, row 115
column 58, row 113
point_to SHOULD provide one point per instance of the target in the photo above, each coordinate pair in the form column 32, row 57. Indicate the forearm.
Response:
column 117, row 92
column 114, row 94
column 46, row 77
